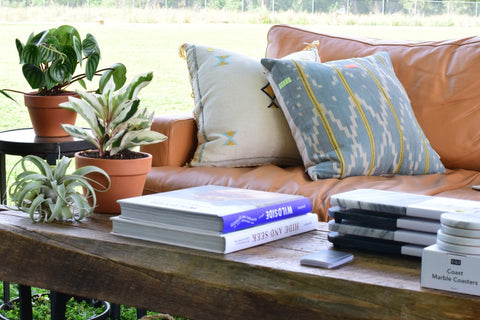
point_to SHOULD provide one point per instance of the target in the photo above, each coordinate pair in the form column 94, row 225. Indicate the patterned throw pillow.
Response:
column 238, row 118
column 351, row 118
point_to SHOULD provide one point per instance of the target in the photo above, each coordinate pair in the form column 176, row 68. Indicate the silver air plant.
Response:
column 49, row 193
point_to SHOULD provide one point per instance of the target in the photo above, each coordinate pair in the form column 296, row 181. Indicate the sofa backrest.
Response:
column 442, row 79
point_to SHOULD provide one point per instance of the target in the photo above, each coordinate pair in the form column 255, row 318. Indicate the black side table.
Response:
column 22, row 142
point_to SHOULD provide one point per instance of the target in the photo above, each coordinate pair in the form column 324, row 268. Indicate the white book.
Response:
column 402, row 203
column 213, row 241
column 418, row 224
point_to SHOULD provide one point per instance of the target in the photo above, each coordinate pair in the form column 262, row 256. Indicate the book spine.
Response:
column 406, row 236
column 258, row 216
column 343, row 241
column 412, row 237
column 414, row 224
column 247, row 238
column 368, row 205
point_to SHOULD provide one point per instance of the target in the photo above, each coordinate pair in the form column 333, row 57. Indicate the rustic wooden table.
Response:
column 265, row 282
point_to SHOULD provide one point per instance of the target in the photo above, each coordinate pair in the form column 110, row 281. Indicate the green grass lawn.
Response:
column 142, row 48
column 154, row 47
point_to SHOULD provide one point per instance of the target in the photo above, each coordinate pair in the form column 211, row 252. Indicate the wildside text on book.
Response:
column 215, row 208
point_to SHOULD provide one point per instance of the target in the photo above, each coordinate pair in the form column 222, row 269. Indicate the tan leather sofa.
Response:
column 442, row 79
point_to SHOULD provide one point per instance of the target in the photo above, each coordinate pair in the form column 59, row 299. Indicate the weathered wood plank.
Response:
column 265, row 282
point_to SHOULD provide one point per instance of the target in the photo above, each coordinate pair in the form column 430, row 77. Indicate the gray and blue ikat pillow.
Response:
column 351, row 118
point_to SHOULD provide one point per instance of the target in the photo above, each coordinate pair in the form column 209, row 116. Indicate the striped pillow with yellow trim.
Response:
column 351, row 118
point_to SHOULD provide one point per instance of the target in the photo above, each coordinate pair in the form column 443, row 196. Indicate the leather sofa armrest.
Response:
column 178, row 149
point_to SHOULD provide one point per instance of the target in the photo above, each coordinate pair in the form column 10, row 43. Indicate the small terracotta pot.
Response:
column 127, row 175
column 46, row 115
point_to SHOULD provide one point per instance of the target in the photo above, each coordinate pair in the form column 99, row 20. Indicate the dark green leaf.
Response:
column 65, row 35
column 34, row 76
column 31, row 55
column 30, row 37
column 7, row 95
column 58, row 71
column 83, row 84
column 48, row 53
column 19, row 46
column 70, row 58
column 39, row 38
column 77, row 46
column 92, row 65
column 90, row 45
column 49, row 82
column 119, row 73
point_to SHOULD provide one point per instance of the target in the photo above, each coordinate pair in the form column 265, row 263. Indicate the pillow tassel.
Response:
column 182, row 51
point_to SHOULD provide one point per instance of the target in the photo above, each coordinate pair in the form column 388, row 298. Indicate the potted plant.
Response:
column 117, row 124
column 49, row 60
column 49, row 193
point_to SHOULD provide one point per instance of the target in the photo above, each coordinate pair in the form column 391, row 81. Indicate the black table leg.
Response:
column 3, row 196
column 58, row 305
column 3, row 178
column 114, row 311
column 6, row 291
column 141, row 313
column 25, row 297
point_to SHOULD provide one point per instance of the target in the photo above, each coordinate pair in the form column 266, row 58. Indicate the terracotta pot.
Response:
column 127, row 175
column 46, row 115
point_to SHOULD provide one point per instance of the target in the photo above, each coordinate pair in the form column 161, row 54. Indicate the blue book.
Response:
column 214, row 208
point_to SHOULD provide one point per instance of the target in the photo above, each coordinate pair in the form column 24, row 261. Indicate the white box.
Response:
column 450, row 271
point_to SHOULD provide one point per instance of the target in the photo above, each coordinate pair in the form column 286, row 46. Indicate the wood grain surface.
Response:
column 264, row 282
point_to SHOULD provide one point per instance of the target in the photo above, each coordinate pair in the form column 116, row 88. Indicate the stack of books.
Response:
column 214, row 218
column 390, row 222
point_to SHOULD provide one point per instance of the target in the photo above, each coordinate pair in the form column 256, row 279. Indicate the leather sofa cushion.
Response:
column 181, row 133
column 293, row 180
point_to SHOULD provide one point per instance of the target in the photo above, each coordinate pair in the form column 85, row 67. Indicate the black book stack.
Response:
column 389, row 222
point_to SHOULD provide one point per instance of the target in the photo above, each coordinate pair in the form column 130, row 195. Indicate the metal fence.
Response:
column 388, row 8
column 413, row 7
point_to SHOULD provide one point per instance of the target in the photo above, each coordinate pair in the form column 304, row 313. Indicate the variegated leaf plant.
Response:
column 114, row 117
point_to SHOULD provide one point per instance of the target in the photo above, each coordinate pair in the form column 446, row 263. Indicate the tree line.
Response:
column 427, row 7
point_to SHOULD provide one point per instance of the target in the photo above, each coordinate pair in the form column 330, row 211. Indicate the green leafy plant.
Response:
column 76, row 308
column 115, row 118
column 50, row 58
column 49, row 193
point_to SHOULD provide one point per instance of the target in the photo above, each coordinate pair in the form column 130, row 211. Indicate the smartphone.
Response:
column 327, row 258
